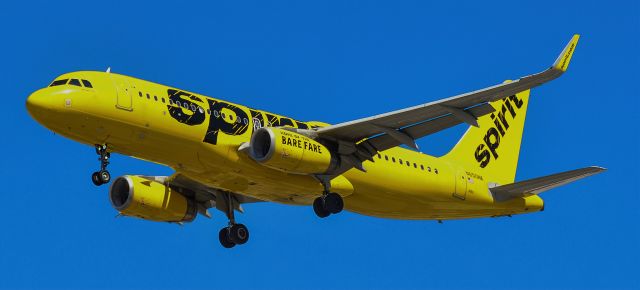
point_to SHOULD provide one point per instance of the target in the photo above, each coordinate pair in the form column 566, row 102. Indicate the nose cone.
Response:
column 38, row 104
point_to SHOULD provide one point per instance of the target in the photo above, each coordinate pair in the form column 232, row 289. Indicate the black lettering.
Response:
column 274, row 121
column 217, row 125
column 492, row 144
column 497, row 123
column 482, row 156
column 190, row 118
column 516, row 101
column 503, row 118
column 511, row 110
column 302, row 125
column 257, row 119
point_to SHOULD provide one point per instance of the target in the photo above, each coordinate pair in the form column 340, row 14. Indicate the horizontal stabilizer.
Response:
column 537, row 185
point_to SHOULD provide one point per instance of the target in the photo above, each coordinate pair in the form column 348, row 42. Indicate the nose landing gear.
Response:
column 102, row 176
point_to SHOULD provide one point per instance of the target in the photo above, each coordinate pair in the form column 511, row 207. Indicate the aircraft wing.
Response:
column 205, row 196
column 537, row 185
column 381, row 132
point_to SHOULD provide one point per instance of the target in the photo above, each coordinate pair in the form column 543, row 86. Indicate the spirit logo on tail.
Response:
column 491, row 139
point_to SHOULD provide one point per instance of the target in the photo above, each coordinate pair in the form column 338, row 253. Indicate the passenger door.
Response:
column 461, row 185
column 123, row 95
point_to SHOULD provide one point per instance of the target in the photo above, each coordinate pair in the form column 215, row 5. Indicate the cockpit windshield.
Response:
column 58, row 83
column 74, row 82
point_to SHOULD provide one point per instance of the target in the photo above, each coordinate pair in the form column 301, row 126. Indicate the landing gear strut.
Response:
column 329, row 203
column 102, row 176
column 233, row 234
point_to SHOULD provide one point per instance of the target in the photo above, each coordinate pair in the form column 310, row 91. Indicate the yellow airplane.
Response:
column 226, row 154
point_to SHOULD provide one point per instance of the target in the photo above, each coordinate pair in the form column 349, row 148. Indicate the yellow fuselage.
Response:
column 141, row 119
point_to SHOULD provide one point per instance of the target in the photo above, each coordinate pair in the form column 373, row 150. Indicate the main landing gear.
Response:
column 329, row 202
column 233, row 234
column 103, row 176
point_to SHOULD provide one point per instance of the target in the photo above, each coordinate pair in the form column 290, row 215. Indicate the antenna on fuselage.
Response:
column 108, row 69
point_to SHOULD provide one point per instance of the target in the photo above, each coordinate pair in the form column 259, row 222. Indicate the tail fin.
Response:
column 492, row 148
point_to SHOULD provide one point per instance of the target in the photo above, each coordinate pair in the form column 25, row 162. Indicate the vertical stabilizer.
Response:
column 492, row 148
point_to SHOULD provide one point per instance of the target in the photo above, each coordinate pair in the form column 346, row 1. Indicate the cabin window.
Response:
column 201, row 110
column 163, row 100
column 386, row 157
column 400, row 160
column 185, row 105
column 75, row 82
column 429, row 169
column 59, row 83
column 87, row 84
column 379, row 156
column 155, row 98
column 415, row 165
column 193, row 107
column 393, row 159
column 140, row 94
column 223, row 116
column 231, row 117
column 408, row 163
column 436, row 170
column 208, row 111
column 246, row 121
column 216, row 113
column 148, row 97
column 421, row 167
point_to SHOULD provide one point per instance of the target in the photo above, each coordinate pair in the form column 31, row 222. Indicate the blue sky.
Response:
column 345, row 60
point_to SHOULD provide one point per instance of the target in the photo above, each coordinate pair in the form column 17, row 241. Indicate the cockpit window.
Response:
column 58, row 82
column 87, row 84
column 75, row 82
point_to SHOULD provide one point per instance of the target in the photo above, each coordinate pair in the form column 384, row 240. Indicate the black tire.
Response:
column 333, row 203
column 239, row 234
column 104, row 176
column 318, row 208
column 95, row 178
column 223, row 235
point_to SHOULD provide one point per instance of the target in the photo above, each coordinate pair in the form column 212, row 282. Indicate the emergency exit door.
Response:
column 461, row 185
column 123, row 93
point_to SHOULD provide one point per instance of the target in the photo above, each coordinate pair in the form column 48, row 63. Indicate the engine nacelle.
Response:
column 150, row 200
column 290, row 152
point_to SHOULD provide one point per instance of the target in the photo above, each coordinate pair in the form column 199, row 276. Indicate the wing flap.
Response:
column 206, row 196
column 541, row 184
column 384, row 142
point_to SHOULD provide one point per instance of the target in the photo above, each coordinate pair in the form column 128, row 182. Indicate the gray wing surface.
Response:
column 404, row 126
column 541, row 184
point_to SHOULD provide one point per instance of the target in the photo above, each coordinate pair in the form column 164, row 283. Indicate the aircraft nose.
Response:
column 38, row 103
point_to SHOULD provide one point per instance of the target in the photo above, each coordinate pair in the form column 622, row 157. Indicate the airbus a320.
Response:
column 225, row 154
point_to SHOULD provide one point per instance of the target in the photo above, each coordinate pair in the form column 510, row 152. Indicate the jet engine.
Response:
column 290, row 152
column 150, row 200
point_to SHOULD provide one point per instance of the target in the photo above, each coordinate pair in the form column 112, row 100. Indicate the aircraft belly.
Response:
column 410, row 194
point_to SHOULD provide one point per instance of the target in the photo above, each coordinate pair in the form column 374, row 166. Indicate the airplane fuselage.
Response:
column 199, row 136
